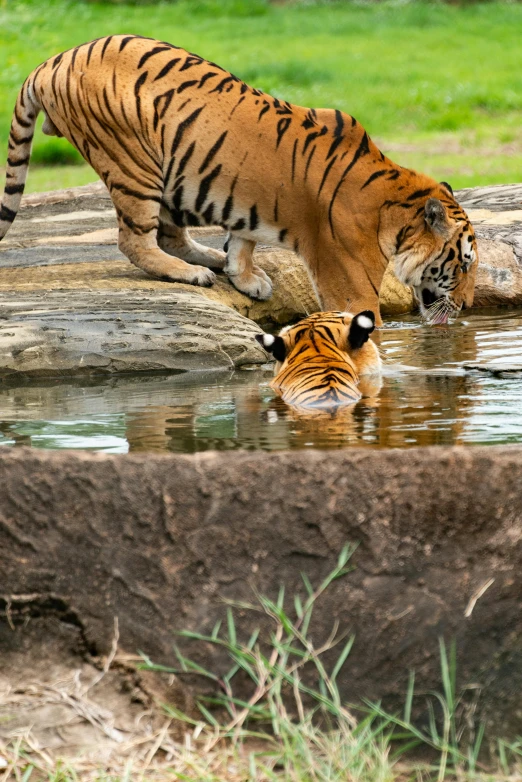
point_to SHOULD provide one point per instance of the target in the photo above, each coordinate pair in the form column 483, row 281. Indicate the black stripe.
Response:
column 338, row 133
column 185, row 159
column 7, row 215
column 419, row 194
column 12, row 189
column 167, row 68
column 242, row 98
column 57, row 60
column 205, row 77
column 293, row 158
column 362, row 150
column 134, row 193
column 147, row 55
column 160, row 113
column 228, row 80
column 125, row 41
column 239, row 225
column 282, row 127
column 227, row 209
column 18, row 141
column 310, row 156
column 169, row 172
column 229, row 203
column 311, row 136
column 185, row 103
column 105, row 45
column 205, row 185
column 24, row 123
column 208, row 214
column 11, row 162
column 254, row 219
column 89, row 52
column 139, row 83
column 373, row 177
column 263, row 110
column 213, row 152
column 282, row 234
column 325, row 175
column 182, row 127
column 186, row 84
column 276, row 209
column 191, row 60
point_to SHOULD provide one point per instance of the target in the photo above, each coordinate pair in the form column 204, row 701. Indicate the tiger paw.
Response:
column 203, row 277
column 256, row 285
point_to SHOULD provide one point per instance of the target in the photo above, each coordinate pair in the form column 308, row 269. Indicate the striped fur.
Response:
column 179, row 142
column 320, row 360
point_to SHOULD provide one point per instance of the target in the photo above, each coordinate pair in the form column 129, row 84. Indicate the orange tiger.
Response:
column 179, row 141
column 320, row 360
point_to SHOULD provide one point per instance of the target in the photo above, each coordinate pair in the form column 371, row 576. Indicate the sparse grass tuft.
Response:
column 293, row 725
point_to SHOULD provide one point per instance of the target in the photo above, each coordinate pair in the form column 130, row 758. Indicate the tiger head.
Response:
column 435, row 252
column 319, row 361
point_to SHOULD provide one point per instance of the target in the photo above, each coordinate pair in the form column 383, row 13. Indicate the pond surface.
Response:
column 427, row 397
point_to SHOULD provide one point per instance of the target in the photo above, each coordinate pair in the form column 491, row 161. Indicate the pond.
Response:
column 429, row 396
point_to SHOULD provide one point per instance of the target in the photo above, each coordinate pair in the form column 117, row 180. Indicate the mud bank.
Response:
column 158, row 542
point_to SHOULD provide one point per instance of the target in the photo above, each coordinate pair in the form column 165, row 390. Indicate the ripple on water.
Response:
column 427, row 398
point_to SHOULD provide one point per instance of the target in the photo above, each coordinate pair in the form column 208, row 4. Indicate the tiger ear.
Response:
column 447, row 186
column 435, row 216
column 361, row 327
column 273, row 345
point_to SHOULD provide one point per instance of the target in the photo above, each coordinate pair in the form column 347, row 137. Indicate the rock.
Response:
column 161, row 541
column 496, row 213
column 108, row 331
column 394, row 297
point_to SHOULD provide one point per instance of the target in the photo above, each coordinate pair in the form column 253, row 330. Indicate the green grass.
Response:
column 429, row 77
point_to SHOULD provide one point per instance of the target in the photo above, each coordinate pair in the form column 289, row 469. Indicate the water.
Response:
column 427, row 398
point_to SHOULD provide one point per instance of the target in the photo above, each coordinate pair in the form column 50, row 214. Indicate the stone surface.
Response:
column 496, row 213
column 159, row 541
column 108, row 331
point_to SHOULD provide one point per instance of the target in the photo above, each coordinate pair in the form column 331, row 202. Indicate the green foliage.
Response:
column 415, row 73
column 56, row 152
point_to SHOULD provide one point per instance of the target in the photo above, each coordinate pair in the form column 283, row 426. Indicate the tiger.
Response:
column 321, row 359
column 181, row 142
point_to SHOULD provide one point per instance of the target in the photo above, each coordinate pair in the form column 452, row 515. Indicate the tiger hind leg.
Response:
column 177, row 241
column 138, row 222
column 242, row 272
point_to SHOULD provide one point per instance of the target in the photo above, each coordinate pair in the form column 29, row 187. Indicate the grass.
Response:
column 438, row 85
column 294, row 725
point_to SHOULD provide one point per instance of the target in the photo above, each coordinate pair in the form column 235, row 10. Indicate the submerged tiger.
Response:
column 321, row 360
column 181, row 142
